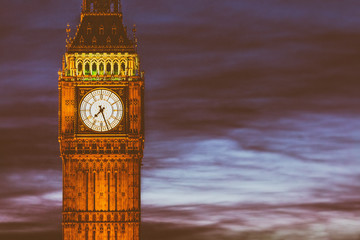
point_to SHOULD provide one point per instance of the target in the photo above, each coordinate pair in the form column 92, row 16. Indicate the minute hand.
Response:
column 105, row 120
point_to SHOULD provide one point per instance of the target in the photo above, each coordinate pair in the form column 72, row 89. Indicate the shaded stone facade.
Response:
column 101, row 170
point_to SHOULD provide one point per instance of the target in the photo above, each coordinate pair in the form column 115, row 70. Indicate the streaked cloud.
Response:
column 251, row 110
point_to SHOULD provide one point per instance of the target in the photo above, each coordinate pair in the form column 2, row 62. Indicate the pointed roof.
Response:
column 101, row 33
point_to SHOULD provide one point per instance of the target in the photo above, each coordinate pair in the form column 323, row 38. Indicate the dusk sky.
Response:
column 252, row 118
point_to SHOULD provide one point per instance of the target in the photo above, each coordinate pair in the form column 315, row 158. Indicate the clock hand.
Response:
column 102, row 112
column 101, row 109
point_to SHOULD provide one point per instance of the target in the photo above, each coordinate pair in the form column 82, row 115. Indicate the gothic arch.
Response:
column 101, row 68
column 116, row 68
column 108, row 67
column 94, row 68
column 80, row 67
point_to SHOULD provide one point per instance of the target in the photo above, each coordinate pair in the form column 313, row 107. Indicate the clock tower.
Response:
column 101, row 127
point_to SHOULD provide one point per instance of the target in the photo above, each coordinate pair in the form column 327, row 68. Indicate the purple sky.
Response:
column 252, row 118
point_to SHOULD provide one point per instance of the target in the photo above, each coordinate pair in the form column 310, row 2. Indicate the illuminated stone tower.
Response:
column 101, row 127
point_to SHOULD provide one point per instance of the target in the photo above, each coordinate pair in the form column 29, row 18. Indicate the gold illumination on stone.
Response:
column 101, row 169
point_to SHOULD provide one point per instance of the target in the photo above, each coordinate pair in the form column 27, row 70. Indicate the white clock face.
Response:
column 101, row 110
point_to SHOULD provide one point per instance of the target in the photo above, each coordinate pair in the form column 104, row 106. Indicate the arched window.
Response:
column 116, row 69
column 123, row 69
column 88, row 28
column 108, row 69
column 94, row 191
column 94, row 69
column 80, row 69
column 87, row 69
column 102, row 69
column 109, row 217
column 101, row 30
column 112, row 7
column 113, row 29
column 116, row 232
column 91, row 7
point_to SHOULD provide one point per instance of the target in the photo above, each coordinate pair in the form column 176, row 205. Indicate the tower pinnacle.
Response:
column 101, row 6
column 101, row 127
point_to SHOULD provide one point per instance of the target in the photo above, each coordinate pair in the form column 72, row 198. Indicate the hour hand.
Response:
column 100, row 111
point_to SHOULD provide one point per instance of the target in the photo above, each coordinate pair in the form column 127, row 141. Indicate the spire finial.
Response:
column 68, row 30
column 134, row 36
column 101, row 6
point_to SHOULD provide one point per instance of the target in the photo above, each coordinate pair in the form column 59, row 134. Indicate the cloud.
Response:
column 41, row 235
column 214, row 78
column 151, row 230
column 33, row 203
column 251, row 112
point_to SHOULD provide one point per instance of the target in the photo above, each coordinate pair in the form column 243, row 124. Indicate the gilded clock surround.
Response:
column 101, row 170
column 98, row 111
column 120, row 128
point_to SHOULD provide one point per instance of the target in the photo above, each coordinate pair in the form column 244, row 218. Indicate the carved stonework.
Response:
column 101, row 169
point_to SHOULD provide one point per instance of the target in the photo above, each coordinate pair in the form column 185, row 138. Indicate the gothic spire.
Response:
column 101, row 6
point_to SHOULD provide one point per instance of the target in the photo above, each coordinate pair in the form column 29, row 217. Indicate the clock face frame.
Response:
column 101, row 110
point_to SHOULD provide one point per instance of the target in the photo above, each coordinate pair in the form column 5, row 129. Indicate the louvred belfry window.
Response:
column 116, row 69
column 94, row 69
column 80, row 68
column 87, row 69
column 101, row 69
column 108, row 69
